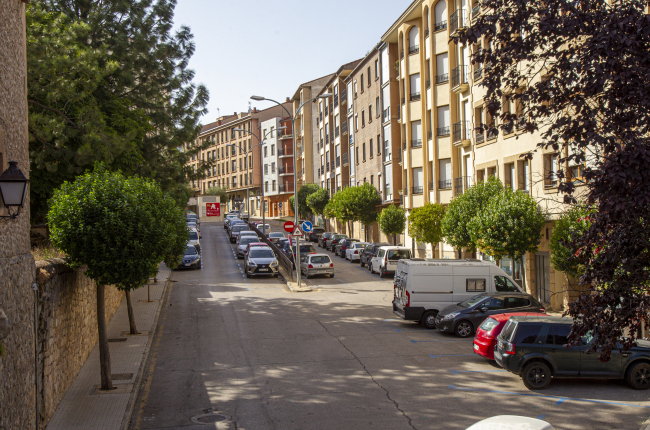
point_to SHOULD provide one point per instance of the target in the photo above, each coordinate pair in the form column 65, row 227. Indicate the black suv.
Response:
column 535, row 348
column 314, row 235
column 369, row 252
column 342, row 245
column 322, row 239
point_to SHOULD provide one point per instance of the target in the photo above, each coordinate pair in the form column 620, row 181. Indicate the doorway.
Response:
column 543, row 277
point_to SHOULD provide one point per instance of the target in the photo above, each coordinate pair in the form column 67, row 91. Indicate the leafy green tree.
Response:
column 572, row 224
column 318, row 201
column 425, row 224
column 305, row 191
column 463, row 208
column 217, row 191
column 341, row 206
column 510, row 225
column 392, row 221
column 365, row 199
column 181, row 194
column 120, row 229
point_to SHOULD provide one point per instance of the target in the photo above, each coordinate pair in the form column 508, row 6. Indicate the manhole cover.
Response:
column 222, row 421
column 211, row 418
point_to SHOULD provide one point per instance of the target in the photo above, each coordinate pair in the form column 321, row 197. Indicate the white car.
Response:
column 264, row 228
column 385, row 261
column 317, row 264
column 248, row 233
column 511, row 422
column 194, row 239
column 353, row 253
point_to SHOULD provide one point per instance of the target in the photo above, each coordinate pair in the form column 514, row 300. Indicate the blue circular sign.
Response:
column 307, row 227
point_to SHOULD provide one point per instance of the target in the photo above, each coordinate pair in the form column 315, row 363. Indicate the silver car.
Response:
column 194, row 239
column 317, row 264
column 236, row 229
column 261, row 260
column 275, row 237
column 242, row 243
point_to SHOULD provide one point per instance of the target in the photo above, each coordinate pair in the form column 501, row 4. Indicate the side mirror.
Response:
column 483, row 309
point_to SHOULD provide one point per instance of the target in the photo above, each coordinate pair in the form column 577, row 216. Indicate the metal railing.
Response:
column 458, row 76
column 285, row 170
column 336, row 131
column 479, row 136
column 336, row 101
column 417, row 190
column 332, row 136
column 478, row 72
column 521, row 122
column 457, row 20
column 285, row 188
column 327, row 166
column 416, row 143
column 460, row 131
column 327, row 139
column 442, row 25
column 386, row 114
column 462, row 184
column 415, row 97
column 344, row 95
column 346, row 160
column 442, row 131
column 326, row 111
column 492, row 132
column 414, row 49
column 282, row 151
column 344, row 127
column 338, row 161
column 441, row 79
column 444, row 184
column 279, row 255
column 476, row 10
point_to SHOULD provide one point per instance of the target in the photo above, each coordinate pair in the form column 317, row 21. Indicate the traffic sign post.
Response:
column 289, row 226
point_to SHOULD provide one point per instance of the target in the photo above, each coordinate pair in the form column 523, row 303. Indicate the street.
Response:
column 231, row 352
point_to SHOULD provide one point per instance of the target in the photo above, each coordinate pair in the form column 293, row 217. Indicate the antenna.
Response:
column 218, row 114
column 249, row 107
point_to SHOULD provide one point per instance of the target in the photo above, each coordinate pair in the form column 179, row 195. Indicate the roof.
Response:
column 546, row 319
column 296, row 95
column 348, row 66
column 405, row 16
column 447, row 262
column 364, row 60
column 522, row 316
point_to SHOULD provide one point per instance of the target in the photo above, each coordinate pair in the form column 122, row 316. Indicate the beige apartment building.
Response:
column 232, row 160
column 436, row 104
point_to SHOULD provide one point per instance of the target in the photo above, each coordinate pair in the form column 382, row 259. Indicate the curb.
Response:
column 293, row 286
column 126, row 421
column 645, row 425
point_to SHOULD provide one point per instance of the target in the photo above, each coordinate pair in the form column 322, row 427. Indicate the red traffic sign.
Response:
column 289, row 226
column 213, row 209
column 297, row 232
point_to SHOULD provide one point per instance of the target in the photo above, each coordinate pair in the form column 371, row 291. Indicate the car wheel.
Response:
column 382, row 274
column 464, row 329
column 370, row 267
column 332, row 275
column 428, row 320
column 638, row 376
column 536, row 375
column 248, row 275
column 306, row 275
column 361, row 263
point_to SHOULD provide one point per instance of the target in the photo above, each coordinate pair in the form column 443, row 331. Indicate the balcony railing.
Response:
column 338, row 161
column 442, row 131
column 346, row 159
column 344, row 95
column 285, row 170
column 326, row 111
column 462, row 184
column 417, row 190
column 458, row 76
column 476, row 10
column 492, row 132
column 521, row 122
column 415, row 97
column 285, row 188
column 351, row 138
column 442, row 25
column 332, row 136
column 478, row 72
column 386, row 114
column 336, row 101
column 344, row 127
column 441, row 79
column 479, row 136
column 320, row 116
column 444, row 184
column 416, row 143
column 328, row 166
column 282, row 151
column 317, row 122
column 460, row 131
column 332, row 108
column 336, row 131
column 318, row 172
column 414, row 49
column 327, row 139
column 457, row 20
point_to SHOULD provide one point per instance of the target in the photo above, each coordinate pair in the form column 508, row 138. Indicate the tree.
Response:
column 578, row 72
column 107, row 81
column 392, row 221
column 425, row 224
column 365, row 200
column 217, row 191
column 572, row 223
column 318, row 201
column 305, row 191
column 120, row 229
column 342, row 206
column 463, row 208
column 509, row 226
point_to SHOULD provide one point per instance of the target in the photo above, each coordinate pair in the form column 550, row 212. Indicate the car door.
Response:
column 494, row 305
column 566, row 360
column 376, row 259
column 591, row 367
column 519, row 304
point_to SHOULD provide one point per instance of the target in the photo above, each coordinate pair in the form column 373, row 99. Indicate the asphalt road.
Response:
column 263, row 357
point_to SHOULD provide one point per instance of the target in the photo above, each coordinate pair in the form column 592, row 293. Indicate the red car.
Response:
column 486, row 335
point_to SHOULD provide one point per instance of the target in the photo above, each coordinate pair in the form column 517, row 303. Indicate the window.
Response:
column 272, row 149
column 414, row 41
column 550, row 170
column 363, row 118
column 517, row 302
column 493, row 304
column 442, row 68
column 357, row 154
column 355, row 89
column 376, row 69
column 377, row 107
column 378, row 144
column 273, row 189
column 473, row 285
column 511, row 178
column 527, row 333
column 370, row 147
column 369, row 113
column 273, row 167
column 234, row 165
column 241, row 163
column 443, row 121
column 505, row 285
column 266, row 154
column 356, row 122
column 364, row 152
column 266, row 186
column 415, row 86
column 361, row 84
column 369, row 77
column 266, row 169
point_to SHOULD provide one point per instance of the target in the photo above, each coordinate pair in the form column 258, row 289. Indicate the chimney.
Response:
column 254, row 110
column 288, row 100
column 219, row 122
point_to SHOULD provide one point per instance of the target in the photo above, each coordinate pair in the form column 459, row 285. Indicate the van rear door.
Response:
column 431, row 287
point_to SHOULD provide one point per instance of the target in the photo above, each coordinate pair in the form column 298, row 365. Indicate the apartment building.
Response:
column 306, row 128
column 232, row 158
column 278, row 166
column 438, row 104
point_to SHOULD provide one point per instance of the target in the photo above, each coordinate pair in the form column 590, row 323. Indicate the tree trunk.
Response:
column 104, row 354
column 433, row 250
column 460, row 253
column 129, row 309
column 394, row 240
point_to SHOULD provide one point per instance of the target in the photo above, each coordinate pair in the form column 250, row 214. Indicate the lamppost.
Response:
column 295, row 165
column 259, row 143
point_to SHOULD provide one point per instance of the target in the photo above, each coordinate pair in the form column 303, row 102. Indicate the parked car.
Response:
column 236, row 229
column 235, row 222
column 194, row 240
column 281, row 242
column 510, row 422
column 323, row 238
column 248, row 233
column 264, row 228
column 305, row 249
column 275, row 237
column 343, row 245
column 369, row 252
column 242, row 243
column 314, row 235
column 465, row 316
column 537, row 349
column 353, row 253
column 193, row 225
column 228, row 219
column 422, row 289
column 193, row 218
column 333, row 240
column 191, row 258
column 317, row 264
column 260, row 260
column 385, row 261
column 485, row 338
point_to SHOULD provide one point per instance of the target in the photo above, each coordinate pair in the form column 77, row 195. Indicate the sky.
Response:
column 268, row 48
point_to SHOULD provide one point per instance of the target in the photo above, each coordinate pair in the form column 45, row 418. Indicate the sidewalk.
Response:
column 82, row 408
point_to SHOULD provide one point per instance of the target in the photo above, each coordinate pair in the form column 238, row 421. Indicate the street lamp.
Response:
column 295, row 165
column 13, row 189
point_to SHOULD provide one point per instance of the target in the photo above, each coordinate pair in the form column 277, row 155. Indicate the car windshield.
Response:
column 194, row 235
column 304, row 249
column 340, row 236
column 190, row 250
column 239, row 228
column 489, row 324
column 399, row 254
column 247, row 239
column 261, row 253
column 320, row 259
column 473, row 301
column 276, row 235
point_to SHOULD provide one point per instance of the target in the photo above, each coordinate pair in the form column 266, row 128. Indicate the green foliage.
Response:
column 217, row 191
column 354, row 204
column 425, row 223
column 509, row 226
column 463, row 208
column 572, row 225
column 392, row 220
column 181, row 194
column 119, row 228
column 305, row 191
column 318, row 201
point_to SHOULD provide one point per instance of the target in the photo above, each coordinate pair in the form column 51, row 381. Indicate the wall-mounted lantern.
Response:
column 13, row 189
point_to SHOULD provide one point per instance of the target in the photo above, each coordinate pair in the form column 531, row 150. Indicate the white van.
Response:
column 424, row 287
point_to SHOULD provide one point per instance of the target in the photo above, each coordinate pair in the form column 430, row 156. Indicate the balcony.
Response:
column 416, row 143
column 457, row 20
column 285, row 188
column 284, row 134
column 417, row 190
column 478, row 73
column 444, row 184
column 386, row 114
column 285, row 152
column 338, row 161
column 344, row 96
column 336, row 131
column 441, row 79
column 476, row 10
column 442, row 25
column 479, row 136
column 462, row 184
column 327, row 166
column 415, row 97
column 344, row 127
column 459, row 79
column 461, row 133
column 336, row 101
column 442, row 131
column 414, row 49
column 346, row 160
column 285, row 170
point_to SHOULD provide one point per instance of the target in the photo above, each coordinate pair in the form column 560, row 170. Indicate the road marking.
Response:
column 456, row 372
column 453, row 387
column 450, row 355
column 541, row 417
column 450, row 340
column 559, row 402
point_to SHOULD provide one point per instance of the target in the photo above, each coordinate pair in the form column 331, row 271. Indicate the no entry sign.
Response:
column 289, row 226
column 213, row 209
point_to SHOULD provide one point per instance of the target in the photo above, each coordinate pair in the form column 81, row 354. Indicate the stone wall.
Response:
column 67, row 328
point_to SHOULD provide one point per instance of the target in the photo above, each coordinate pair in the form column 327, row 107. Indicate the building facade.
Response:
column 278, row 166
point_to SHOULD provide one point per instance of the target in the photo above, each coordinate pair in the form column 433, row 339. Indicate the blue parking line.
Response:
column 559, row 402
column 450, row 355
column 541, row 417
column 453, row 387
column 450, row 340
column 456, row 372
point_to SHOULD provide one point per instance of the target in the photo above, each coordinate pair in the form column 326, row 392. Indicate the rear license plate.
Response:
column 476, row 347
column 262, row 270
